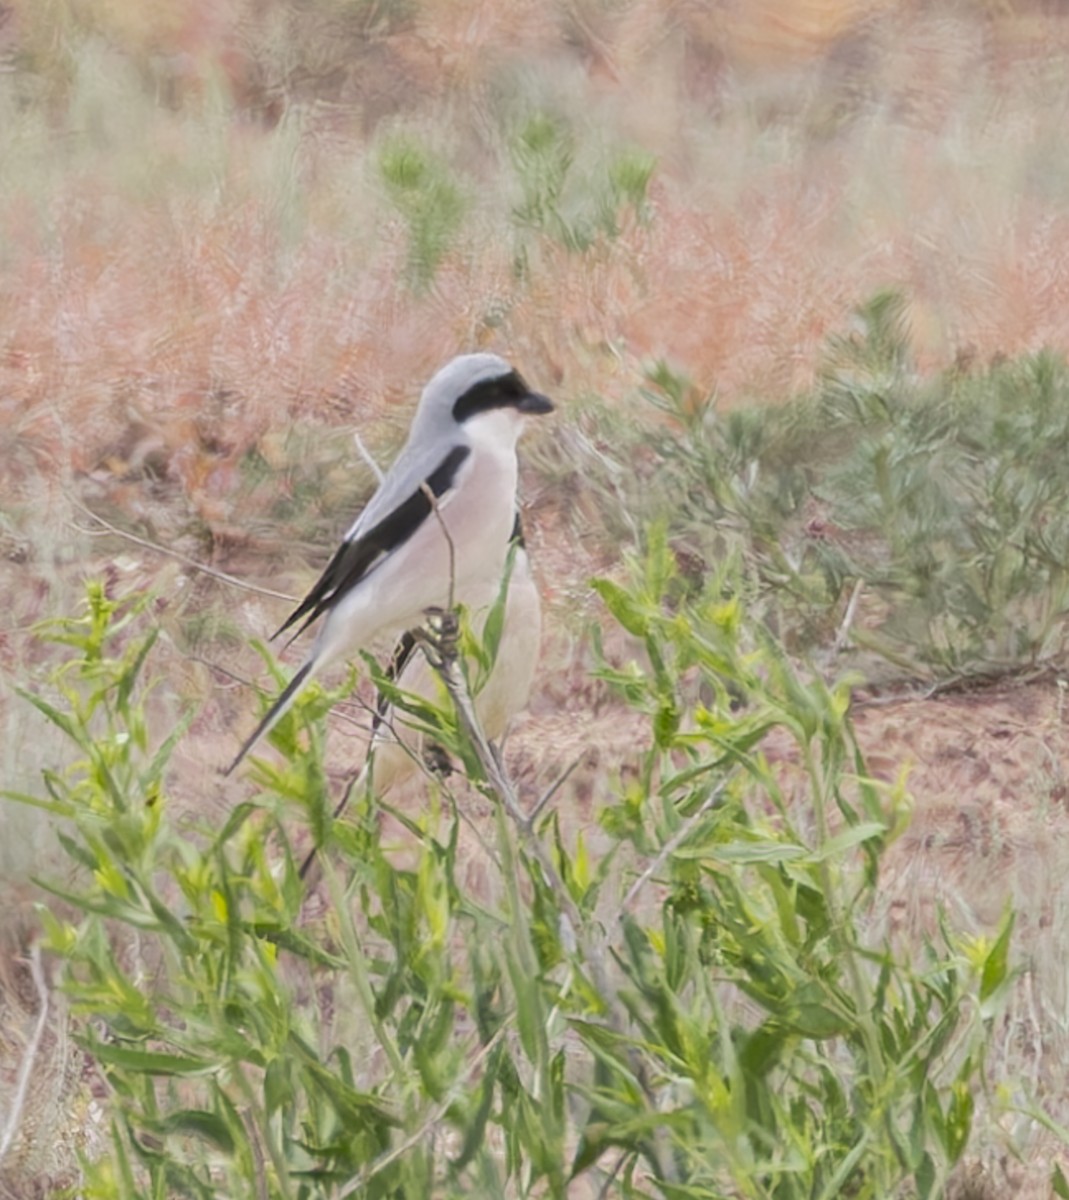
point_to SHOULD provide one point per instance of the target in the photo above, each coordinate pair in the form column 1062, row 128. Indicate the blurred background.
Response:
column 234, row 231
column 217, row 215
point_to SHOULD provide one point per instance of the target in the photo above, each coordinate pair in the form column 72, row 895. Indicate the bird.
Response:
column 437, row 530
column 396, row 747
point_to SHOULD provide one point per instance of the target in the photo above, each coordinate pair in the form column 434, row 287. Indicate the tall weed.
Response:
column 941, row 500
column 692, row 1000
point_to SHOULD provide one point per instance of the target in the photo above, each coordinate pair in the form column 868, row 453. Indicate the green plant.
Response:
column 939, row 500
column 811, row 1059
column 432, row 204
column 706, row 1008
column 571, row 205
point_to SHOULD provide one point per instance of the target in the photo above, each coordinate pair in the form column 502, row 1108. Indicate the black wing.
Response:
column 356, row 557
column 516, row 536
column 399, row 660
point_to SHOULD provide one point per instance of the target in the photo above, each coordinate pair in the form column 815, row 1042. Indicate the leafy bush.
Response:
column 703, row 1007
column 421, row 187
column 561, row 199
column 941, row 500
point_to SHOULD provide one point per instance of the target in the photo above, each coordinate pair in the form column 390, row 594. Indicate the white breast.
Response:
column 463, row 561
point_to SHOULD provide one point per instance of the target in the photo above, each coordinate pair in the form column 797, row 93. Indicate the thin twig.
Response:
column 442, row 651
column 167, row 552
column 436, row 1114
column 219, row 669
column 962, row 683
column 306, row 873
column 673, row 844
column 610, row 1177
column 26, row 1067
column 337, row 712
column 551, row 791
column 443, row 656
column 843, row 636
column 426, row 490
column 366, row 455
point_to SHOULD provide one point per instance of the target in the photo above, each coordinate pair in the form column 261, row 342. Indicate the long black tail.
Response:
column 274, row 712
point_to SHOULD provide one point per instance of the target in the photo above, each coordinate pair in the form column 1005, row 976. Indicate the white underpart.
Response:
column 478, row 513
column 398, row 749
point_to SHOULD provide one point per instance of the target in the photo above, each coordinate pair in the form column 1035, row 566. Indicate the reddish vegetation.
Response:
column 188, row 282
column 808, row 156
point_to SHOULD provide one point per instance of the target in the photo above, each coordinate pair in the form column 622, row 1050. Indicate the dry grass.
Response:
column 203, row 287
column 991, row 827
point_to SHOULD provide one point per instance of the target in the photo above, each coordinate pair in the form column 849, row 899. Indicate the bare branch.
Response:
column 435, row 1115
column 366, row 455
column 610, row 1176
column 843, row 636
column 551, row 791
column 29, row 1059
column 167, row 552
column 449, row 542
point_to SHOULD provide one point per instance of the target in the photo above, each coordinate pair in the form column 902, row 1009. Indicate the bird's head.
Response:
column 472, row 386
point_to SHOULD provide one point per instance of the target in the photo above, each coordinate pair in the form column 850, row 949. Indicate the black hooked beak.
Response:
column 535, row 404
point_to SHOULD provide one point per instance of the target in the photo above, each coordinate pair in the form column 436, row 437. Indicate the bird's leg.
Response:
column 441, row 635
column 436, row 759
column 440, row 640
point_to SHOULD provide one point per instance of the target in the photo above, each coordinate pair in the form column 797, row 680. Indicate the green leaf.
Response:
column 151, row 776
column 494, row 625
column 926, row 1176
column 170, row 922
column 996, row 965
column 129, row 676
column 60, row 808
column 78, row 851
column 354, row 1107
column 959, row 1117
column 238, row 816
column 150, row 1062
column 73, row 729
column 475, row 1125
column 814, row 1012
column 855, row 835
column 744, row 852
column 665, row 722
column 623, row 606
column 278, row 1086
column 198, row 1123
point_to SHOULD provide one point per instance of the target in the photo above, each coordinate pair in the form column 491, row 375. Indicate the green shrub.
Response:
column 570, row 203
column 421, row 187
column 704, row 1007
column 942, row 500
